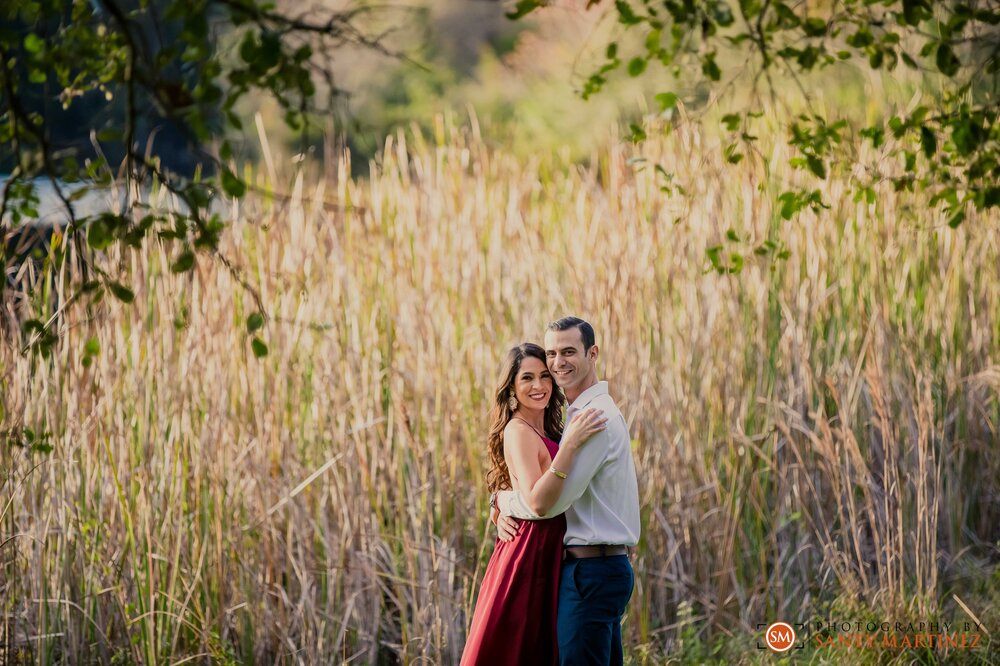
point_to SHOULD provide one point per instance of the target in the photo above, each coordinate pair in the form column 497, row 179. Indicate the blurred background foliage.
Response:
column 519, row 79
column 522, row 81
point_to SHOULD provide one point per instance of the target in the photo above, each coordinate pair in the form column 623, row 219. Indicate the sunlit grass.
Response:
column 810, row 432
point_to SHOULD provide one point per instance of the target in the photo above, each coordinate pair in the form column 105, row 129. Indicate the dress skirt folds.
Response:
column 514, row 623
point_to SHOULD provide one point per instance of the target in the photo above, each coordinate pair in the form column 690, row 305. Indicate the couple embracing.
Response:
column 566, row 504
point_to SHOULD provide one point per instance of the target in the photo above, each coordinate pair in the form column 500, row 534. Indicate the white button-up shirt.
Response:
column 600, row 495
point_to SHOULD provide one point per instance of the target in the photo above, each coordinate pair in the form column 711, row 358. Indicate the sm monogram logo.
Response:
column 779, row 637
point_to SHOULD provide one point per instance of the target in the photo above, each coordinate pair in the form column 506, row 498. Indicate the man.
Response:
column 600, row 497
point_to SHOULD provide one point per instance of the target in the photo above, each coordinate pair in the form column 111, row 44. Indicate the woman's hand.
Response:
column 584, row 425
column 507, row 527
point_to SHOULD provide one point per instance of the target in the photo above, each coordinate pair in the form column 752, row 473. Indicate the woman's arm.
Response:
column 539, row 487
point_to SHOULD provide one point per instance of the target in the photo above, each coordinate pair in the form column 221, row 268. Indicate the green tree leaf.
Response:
column 625, row 14
column 232, row 185
column 710, row 68
column 92, row 347
column 523, row 8
column 667, row 100
column 814, row 27
column 121, row 292
column 816, row 166
column 946, row 60
column 99, row 235
column 183, row 263
column 636, row 66
column 255, row 322
column 928, row 141
column 33, row 43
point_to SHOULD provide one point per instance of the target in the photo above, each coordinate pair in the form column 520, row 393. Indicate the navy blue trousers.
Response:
column 593, row 593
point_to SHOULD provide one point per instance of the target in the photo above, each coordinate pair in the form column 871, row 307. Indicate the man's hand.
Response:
column 507, row 527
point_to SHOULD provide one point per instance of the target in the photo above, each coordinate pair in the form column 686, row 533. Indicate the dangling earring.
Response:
column 512, row 402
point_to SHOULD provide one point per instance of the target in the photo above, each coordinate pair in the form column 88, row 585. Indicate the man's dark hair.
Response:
column 586, row 330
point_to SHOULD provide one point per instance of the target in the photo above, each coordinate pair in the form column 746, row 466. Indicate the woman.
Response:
column 515, row 618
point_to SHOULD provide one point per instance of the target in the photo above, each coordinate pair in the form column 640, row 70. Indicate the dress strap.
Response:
column 532, row 427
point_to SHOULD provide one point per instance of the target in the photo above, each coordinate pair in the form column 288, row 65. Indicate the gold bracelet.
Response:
column 561, row 475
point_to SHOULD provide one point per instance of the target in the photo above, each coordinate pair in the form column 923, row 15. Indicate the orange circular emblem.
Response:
column 780, row 637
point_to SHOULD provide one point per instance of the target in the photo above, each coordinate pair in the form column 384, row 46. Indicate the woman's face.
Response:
column 533, row 384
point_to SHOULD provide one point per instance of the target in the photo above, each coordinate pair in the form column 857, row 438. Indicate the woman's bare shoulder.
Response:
column 519, row 434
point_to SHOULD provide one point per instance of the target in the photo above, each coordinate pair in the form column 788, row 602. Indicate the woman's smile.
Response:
column 533, row 386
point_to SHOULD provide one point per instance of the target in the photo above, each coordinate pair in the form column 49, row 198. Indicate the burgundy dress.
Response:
column 515, row 619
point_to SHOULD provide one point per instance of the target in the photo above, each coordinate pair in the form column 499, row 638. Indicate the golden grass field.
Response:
column 814, row 436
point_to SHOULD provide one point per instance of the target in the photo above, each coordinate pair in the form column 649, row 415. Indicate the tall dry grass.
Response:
column 807, row 432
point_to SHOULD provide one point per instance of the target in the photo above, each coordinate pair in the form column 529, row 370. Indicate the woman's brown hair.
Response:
column 498, row 476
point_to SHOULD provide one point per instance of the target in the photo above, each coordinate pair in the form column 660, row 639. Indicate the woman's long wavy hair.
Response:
column 498, row 476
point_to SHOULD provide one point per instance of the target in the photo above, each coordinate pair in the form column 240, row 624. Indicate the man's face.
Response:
column 568, row 363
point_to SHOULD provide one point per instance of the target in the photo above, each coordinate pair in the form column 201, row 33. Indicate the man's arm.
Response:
column 511, row 503
column 589, row 460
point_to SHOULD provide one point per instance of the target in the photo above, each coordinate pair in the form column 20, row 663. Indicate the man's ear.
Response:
column 593, row 352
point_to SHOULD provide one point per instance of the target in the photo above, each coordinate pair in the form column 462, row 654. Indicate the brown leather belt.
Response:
column 598, row 550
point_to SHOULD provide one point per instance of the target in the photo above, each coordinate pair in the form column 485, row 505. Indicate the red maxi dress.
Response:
column 515, row 619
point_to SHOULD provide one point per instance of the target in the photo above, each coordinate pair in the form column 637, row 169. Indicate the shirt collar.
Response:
column 585, row 398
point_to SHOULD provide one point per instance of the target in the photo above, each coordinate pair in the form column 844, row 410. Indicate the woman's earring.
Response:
column 512, row 402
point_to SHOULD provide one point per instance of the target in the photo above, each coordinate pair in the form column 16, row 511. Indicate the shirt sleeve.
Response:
column 589, row 460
